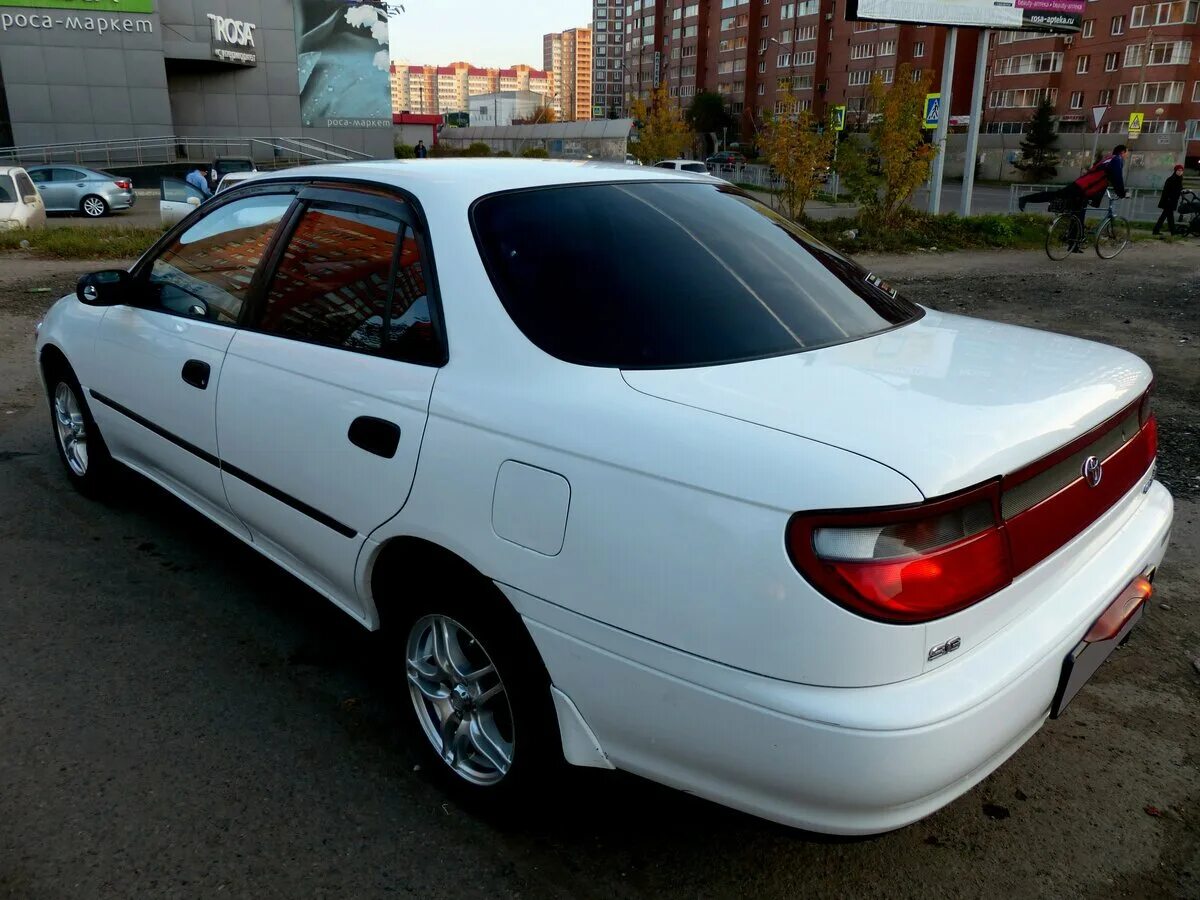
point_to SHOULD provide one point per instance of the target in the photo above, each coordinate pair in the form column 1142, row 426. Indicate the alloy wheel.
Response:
column 94, row 207
column 460, row 700
column 71, row 428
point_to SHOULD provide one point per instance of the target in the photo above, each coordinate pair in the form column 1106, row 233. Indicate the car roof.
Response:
column 475, row 178
column 11, row 170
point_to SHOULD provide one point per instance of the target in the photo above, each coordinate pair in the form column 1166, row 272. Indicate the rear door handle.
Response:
column 378, row 436
column 196, row 372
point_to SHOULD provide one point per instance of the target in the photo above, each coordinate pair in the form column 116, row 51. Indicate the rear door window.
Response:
column 671, row 274
column 25, row 187
column 352, row 277
column 8, row 190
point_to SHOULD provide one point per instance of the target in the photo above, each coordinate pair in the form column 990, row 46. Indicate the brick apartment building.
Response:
column 750, row 51
column 567, row 56
column 1130, row 57
column 437, row 90
column 1133, row 57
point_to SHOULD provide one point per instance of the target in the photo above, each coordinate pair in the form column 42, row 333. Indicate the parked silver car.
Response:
column 76, row 189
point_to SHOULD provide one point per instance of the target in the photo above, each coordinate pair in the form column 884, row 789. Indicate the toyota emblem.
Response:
column 1092, row 471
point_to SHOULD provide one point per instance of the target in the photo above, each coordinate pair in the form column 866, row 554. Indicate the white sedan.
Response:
column 21, row 205
column 633, row 473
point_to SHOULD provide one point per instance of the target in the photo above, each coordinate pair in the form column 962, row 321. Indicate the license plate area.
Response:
column 1106, row 634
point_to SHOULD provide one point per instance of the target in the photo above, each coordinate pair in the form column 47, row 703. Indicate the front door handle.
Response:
column 196, row 372
column 378, row 436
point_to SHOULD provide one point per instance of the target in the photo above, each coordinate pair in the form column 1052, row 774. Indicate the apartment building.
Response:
column 1130, row 57
column 437, row 90
column 608, row 55
column 755, row 53
column 567, row 56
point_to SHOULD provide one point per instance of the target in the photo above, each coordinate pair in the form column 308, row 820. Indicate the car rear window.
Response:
column 643, row 275
column 8, row 191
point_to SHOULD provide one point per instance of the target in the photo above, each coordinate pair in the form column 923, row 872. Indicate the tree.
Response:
column 1039, row 157
column 855, row 175
column 543, row 115
column 798, row 153
column 898, row 116
column 662, row 133
column 707, row 114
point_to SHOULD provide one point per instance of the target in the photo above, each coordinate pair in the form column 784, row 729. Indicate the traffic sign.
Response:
column 1098, row 115
column 838, row 118
column 1135, row 124
column 933, row 110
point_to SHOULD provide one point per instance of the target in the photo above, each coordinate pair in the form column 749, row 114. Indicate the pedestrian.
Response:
column 1087, row 189
column 1172, row 188
column 421, row 150
column 198, row 178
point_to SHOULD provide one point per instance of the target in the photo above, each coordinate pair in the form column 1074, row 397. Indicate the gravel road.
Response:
column 180, row 719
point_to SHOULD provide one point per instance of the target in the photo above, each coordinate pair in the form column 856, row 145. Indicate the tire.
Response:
column 1112, row 238
column 480, row 697
column 93, row 207
column 81, row 448
column 1062, row 236
column 1194, row 228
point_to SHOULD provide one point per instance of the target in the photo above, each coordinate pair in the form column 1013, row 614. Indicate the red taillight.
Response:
column 124, row 185
column 909, row 565
column 920, row 563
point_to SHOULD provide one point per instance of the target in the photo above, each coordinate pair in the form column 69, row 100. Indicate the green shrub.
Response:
column 405, row 151
column 477, row 148
column 503, row 153
column 535, row 153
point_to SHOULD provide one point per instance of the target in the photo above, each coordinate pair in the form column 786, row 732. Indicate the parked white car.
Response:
column 683, row 165
column 633, row 473
column 21, row 205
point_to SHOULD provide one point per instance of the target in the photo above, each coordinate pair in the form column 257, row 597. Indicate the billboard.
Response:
column 1057, row 16
column 114, row 6
column 342, row 55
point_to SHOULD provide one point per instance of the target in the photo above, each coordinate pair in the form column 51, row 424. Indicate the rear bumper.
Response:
column 838, row 760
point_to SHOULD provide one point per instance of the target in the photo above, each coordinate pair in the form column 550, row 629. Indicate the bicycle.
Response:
column 1067, row 232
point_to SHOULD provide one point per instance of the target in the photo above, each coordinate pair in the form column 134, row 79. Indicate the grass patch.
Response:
column 81, row 242
column 923, row 231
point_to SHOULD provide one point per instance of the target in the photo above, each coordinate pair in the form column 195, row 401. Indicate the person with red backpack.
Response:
column 1088, row 188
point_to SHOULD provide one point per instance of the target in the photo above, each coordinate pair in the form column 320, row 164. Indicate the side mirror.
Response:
column 193, row 201
column 106, row 288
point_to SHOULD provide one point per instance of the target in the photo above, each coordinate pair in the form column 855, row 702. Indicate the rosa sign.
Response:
column 1059, row 16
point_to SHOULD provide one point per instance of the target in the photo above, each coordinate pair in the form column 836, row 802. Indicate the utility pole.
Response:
column 1141, row 94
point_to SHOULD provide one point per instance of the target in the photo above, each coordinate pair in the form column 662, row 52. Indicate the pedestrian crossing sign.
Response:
column 838, row 119
column 1135, row 124
column 933, row 110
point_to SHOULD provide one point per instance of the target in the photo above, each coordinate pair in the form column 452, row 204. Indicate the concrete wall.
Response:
column 154, row 76
column 1152, row 156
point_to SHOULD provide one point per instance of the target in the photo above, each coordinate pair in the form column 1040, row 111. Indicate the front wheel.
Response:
column 1112, row 238
column 80, row 446
column 93, row 207
column 1064, row 235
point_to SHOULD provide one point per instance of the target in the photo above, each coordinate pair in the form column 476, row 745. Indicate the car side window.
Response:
column 332, row 285
column 207, row 271
column 25, row 187
column 67, row 175
column 40, row 176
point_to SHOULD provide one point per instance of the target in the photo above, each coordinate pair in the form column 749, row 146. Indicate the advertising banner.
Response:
column 1056, row 16
column 342, row 54
column 109, row 7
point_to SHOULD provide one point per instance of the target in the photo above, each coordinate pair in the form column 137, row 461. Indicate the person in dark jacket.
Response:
column 1172, row 188
column 420, row 151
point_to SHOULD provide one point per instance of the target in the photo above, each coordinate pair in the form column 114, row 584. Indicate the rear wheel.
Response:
column 93, row 207
column 1063, row 236
column 481, row 696
column 1112, row 238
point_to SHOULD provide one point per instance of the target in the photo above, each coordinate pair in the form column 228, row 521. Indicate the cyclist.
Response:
column 1087, row 188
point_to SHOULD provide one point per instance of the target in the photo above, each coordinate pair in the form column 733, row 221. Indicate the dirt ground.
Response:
column 172, row 725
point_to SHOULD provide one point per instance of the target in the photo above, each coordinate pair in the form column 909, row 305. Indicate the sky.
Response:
column 483, row 32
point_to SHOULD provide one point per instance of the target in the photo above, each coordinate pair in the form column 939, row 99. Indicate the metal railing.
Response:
column 177, row 148
column 1139, row 205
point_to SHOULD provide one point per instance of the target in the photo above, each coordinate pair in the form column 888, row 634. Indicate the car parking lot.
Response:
column 179, row 718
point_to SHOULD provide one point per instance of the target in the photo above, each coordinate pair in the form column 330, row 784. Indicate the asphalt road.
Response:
column 178, row 718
